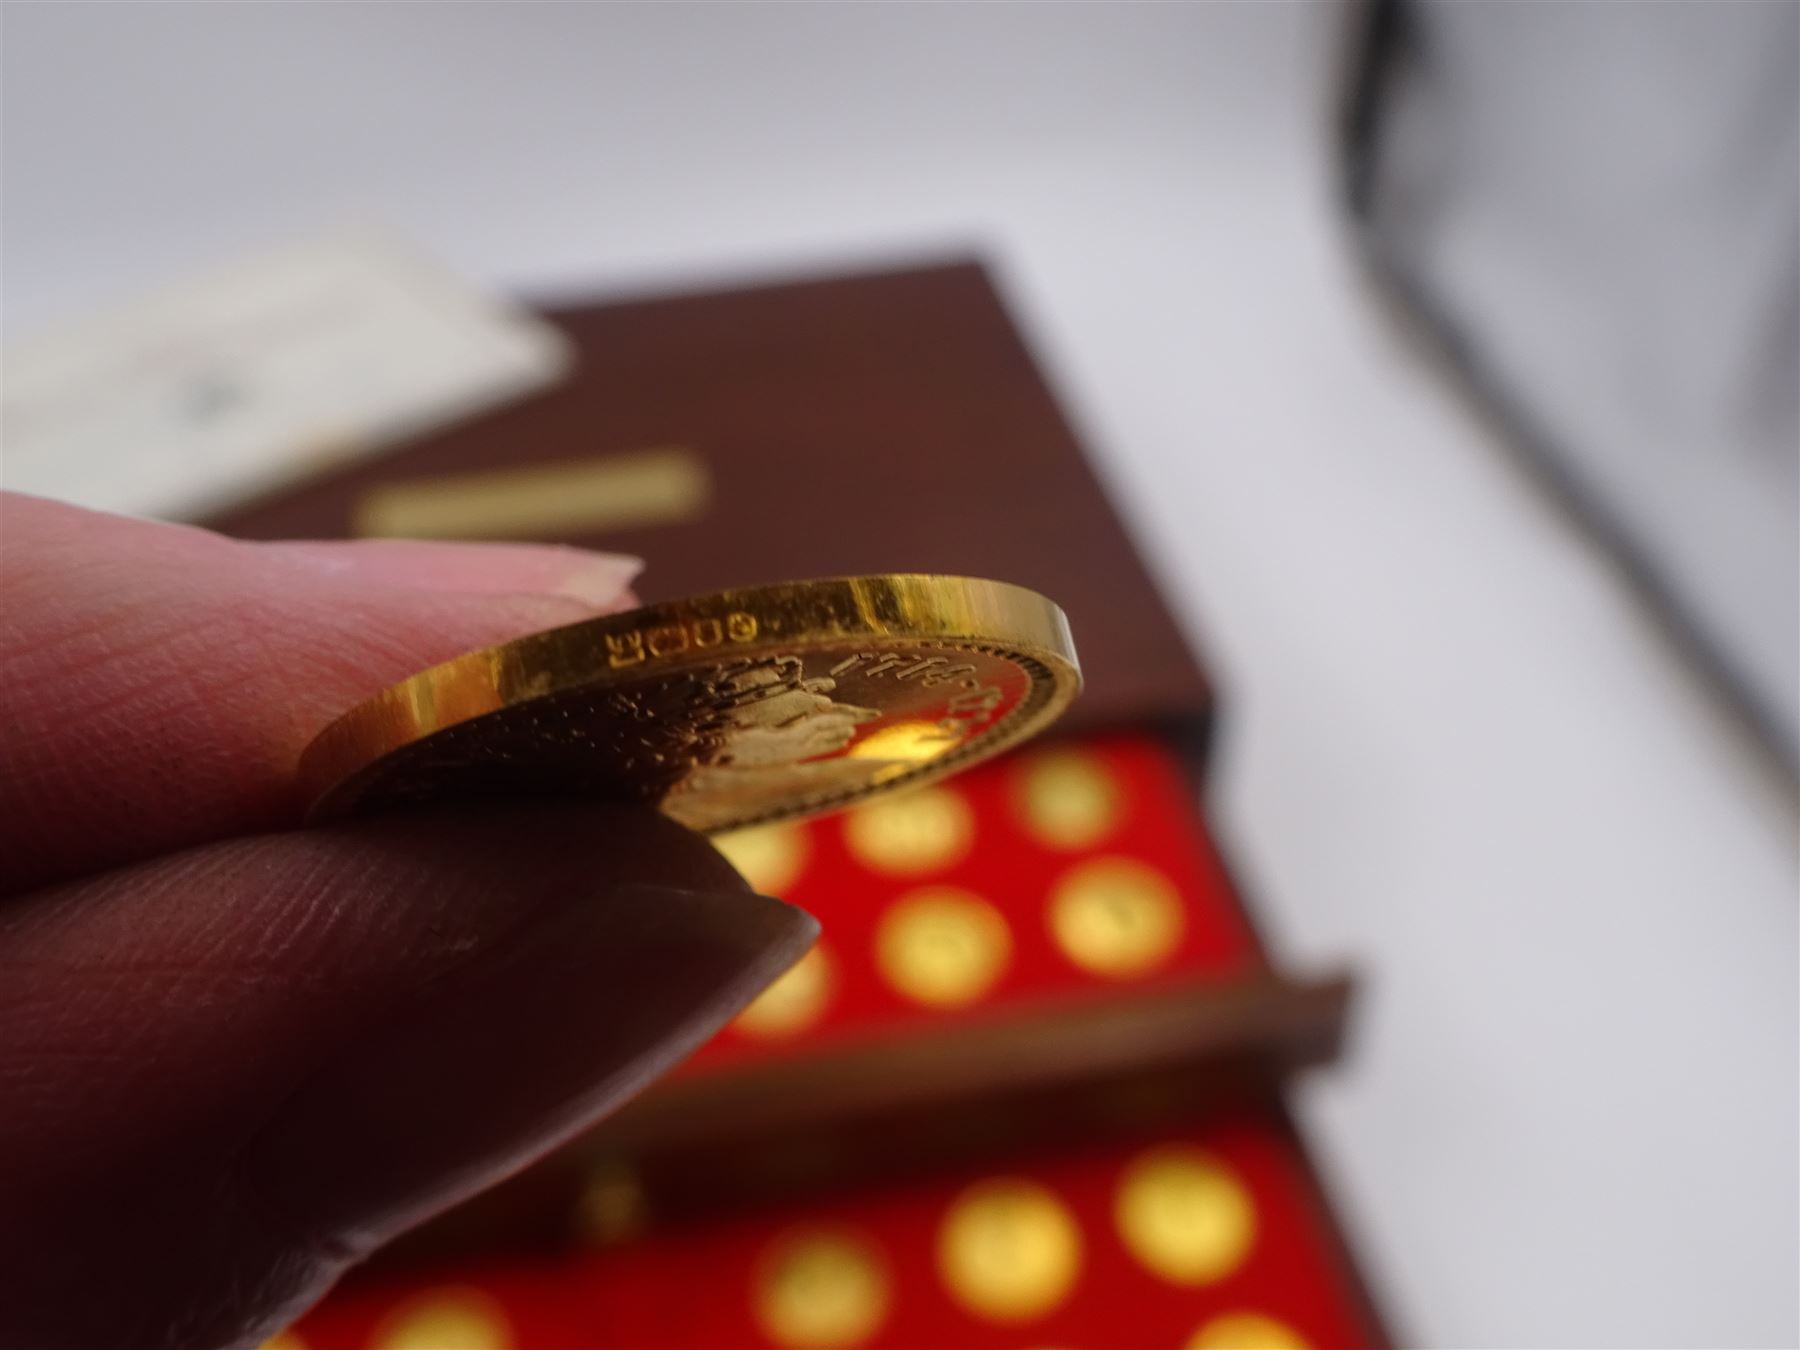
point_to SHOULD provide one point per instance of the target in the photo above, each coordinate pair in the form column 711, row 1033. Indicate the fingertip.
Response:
column 517, row 1051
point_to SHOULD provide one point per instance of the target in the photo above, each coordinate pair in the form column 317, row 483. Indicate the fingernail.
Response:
column 599, row 580
column 603, row 580
column 517, row 1051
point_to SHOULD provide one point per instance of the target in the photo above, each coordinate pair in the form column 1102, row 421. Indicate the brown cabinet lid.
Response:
column 889, row 421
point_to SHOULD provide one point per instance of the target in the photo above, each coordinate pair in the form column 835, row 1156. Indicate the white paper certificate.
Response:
column 259, row 374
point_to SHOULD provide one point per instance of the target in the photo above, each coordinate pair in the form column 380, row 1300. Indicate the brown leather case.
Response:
column 886, row 421
column 889, row 421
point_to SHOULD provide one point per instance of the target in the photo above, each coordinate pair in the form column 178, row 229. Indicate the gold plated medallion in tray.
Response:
column 722, row 711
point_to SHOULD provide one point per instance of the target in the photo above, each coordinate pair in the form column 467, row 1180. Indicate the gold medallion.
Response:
column 1246, row 1331
column 769, row 857
column 1116, row 917
column 1185, row 1215
column 446, row 1319
column 821, row 1288
column 1009, row 1250
column 912, row 834
column 942, row 946
column 723, row 711
column 612, row 1207
column 794, row 1002
column 1068, row 800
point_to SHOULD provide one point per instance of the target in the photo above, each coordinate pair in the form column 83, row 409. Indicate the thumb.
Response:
column 237, row 1069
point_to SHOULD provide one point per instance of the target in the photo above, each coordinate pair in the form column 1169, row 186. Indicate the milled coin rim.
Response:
column 994, row 618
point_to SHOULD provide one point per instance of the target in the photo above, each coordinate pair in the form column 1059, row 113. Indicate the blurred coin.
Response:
column 1185, row 1215
column 1009, row 1249
column 821, row 1288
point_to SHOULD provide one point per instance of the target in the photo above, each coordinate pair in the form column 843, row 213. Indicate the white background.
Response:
column 1453, row 753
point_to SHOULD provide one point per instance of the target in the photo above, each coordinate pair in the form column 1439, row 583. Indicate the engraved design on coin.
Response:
column 773, row 725
column 712, row 746
column 722, row 711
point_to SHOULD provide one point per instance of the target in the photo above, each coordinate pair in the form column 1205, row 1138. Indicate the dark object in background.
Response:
column 1594, row 213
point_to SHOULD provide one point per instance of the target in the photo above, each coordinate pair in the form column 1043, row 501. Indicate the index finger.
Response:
column 158, row 682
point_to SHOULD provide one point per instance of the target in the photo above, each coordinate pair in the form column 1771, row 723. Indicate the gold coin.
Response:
column 1246, row 1331
column 769, row 857
column 612, row 1207
column 1067, row 799
column 445, row 1319
column 1184, row 1215
column 821, row 1288
column 722, row 711
column 1116, row 917
column 794, row 1002
column 912, row 832
column 942, row 946
column 1009, row 1250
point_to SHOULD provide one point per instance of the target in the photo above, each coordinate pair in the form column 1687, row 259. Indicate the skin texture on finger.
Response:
column 158, row 682
column 235, row 1069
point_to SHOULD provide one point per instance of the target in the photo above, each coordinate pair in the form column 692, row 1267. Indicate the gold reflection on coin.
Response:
column 821, row 1288
column 1184, row 1215
column 1009, row 1250
column 1068, row 799
column 445, row 1319
column 1246, row 1331
column 769, row 857
column 905, row 741
column 612, row 1208
column 912, row 833
column 794, row 1002
column 1115, row 917
column 942, row 946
